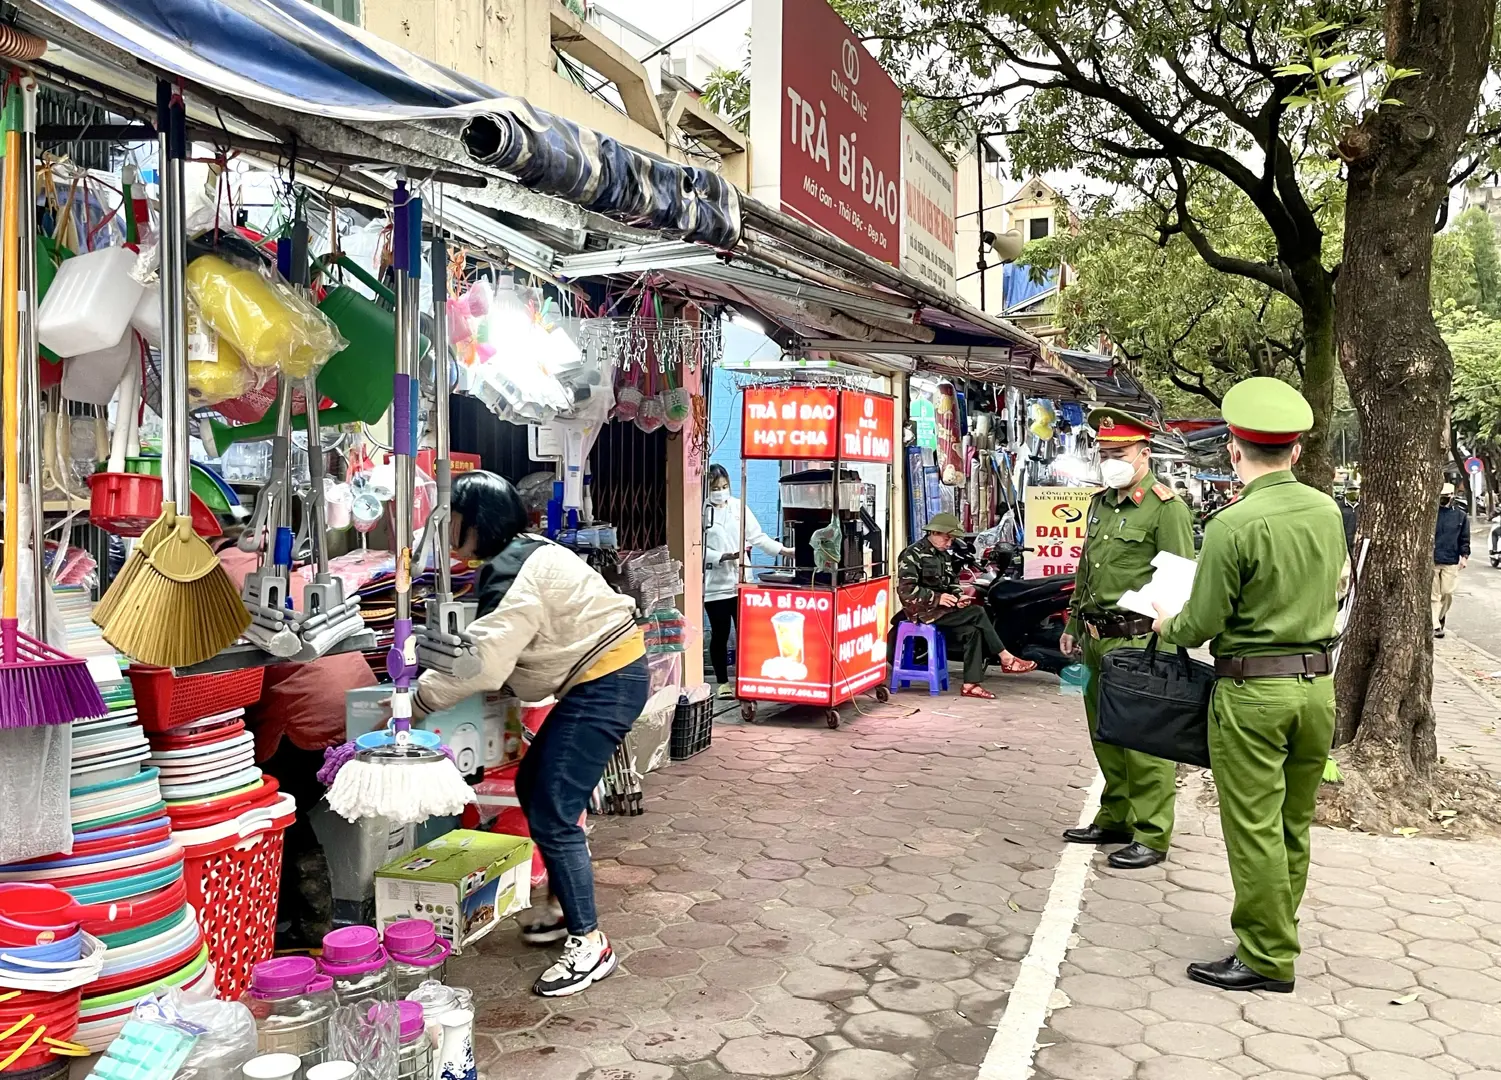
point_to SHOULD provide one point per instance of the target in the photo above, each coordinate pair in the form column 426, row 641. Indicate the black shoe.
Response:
column 1231, row 974
column 1093, row 834
column 546, row 931
column 1439, row 632
column 1136, row 856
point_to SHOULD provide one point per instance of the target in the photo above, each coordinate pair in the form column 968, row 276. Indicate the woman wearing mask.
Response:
column 724, row 546
column 549, row 627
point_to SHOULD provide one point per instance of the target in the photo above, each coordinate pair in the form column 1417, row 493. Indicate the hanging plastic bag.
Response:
column 269, row 324
column 216, row 372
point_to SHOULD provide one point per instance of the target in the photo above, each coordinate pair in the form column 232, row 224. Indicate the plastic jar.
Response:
column 417, row 954
column 292, row 1004
column 356, row 961
column 416, row 1060
column 440, row 1002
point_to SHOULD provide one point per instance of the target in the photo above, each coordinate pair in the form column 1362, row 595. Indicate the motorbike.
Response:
column 1028, row 615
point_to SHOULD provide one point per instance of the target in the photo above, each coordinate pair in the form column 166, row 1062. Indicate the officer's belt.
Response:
column 1116, row 626
column 1274, row 667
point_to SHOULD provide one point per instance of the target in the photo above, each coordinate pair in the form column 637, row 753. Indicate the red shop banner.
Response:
column 867, row 426
column 785, row 650
column 862, row 615
column 841, row 140
column 789, row 422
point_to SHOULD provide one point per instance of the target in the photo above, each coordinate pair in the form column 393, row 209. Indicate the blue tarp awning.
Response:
column 295, row 56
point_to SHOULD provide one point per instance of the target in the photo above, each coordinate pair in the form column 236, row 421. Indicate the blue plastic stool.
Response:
column 904, row 669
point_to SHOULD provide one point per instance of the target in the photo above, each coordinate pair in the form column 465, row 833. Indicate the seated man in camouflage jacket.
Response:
column 927, row 583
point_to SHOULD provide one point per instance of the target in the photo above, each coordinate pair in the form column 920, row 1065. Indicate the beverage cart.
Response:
column 815, row 633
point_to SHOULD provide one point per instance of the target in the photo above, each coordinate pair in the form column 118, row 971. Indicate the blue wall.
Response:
column 761, row 494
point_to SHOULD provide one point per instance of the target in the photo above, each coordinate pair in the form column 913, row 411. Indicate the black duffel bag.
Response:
column 1156, row 703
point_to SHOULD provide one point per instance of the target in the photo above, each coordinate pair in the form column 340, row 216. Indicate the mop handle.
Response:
column 173, row 139
column 9, row 284
column 442, row 466
column 401, row 660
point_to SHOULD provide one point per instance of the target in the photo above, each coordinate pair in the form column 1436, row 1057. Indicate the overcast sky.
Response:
column 724, row 38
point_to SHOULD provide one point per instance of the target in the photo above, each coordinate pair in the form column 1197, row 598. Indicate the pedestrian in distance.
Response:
column 1349, row 511
column 927, row 583
column 1265, row 597
column 1451, row 554
column 1130, row 521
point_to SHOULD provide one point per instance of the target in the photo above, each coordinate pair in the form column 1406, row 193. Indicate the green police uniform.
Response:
column 923, row 574
column 1266, row 586
column 1126, row 530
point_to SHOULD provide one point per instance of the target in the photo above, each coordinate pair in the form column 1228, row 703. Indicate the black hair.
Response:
column 1265, row 454
column 718, row 472
column 491, row 507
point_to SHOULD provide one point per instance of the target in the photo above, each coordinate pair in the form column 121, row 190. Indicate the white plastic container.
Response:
column 92, row 377
column 89, row 305
column 147, row 318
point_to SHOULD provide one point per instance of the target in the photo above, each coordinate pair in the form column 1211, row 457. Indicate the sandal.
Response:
column 977, row 691
column 1015, row 666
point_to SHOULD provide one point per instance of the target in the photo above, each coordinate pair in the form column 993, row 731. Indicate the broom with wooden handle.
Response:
column 178, row 607
column 38, row 684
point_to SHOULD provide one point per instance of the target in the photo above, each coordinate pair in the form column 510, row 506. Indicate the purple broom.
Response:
column 38, row 684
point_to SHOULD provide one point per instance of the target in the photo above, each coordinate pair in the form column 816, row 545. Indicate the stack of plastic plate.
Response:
column 207, row 771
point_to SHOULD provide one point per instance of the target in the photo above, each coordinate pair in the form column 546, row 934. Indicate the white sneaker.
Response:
column 585, row 961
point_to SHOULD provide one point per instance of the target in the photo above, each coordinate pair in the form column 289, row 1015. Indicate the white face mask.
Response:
column 719, row 498
column 1116, row 473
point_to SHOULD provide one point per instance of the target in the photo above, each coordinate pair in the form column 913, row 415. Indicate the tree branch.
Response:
column 1275, row 277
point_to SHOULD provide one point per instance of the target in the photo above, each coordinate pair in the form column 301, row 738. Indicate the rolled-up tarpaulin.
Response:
column 550, row 154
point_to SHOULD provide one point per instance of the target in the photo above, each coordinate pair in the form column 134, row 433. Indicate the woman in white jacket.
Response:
column 723, row 549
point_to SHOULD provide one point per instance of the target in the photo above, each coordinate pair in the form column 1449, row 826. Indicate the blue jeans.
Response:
column 560, row 771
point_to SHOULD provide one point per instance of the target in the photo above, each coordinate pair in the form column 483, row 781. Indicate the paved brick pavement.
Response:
column 854, row 904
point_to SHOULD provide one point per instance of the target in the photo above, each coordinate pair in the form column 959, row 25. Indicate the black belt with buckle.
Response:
column 1294, row 665
column 1117, row 626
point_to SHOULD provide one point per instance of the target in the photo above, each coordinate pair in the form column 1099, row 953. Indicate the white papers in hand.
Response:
column 1169, row 587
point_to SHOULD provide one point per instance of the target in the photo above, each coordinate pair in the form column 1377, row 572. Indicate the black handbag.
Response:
column 1155, row 703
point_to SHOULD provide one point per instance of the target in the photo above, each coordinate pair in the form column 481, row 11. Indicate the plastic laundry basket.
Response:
column 166, row 700
column 234, row 884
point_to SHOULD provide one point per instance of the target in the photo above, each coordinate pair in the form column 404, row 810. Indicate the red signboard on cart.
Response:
column 867, row 426
column 862, row 615
column 790, row 422
column 786, row 645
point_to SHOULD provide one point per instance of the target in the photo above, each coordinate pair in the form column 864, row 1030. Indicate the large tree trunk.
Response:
column 1399, row 371
column 1316, row 466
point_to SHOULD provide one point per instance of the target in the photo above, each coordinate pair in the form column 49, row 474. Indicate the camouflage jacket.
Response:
column 923, row 573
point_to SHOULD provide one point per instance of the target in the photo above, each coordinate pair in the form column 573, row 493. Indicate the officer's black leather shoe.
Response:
column 1231, row 974
column 1136, row 857
column 1093, row 834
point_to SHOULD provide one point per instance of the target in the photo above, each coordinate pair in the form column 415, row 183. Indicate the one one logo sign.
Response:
column 1474, row 466
column 851, row 58
column 1067, row 512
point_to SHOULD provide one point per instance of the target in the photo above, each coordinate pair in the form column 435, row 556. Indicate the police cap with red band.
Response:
column 1119, row 426
column 1267, row 412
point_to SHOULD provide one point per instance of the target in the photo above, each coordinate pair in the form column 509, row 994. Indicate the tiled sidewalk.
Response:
column 854, row 904
column 847, row 904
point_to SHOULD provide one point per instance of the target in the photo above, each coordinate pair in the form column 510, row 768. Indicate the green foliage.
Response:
column 727, row 92
column 1474, row 340
column 1467, row 265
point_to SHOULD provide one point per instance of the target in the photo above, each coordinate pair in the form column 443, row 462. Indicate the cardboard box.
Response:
column 465, row 883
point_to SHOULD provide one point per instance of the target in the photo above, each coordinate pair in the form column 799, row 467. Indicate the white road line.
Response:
column 1015, row 1041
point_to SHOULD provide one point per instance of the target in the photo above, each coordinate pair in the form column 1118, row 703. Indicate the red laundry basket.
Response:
column 166, row 701
column 234, row 883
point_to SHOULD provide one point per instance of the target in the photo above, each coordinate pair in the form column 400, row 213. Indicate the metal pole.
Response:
column 980, row 207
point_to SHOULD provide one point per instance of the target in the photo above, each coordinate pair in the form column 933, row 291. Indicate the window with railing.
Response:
column 348, row 10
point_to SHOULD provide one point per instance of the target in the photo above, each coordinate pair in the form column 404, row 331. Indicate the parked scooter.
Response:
column 1029, row 616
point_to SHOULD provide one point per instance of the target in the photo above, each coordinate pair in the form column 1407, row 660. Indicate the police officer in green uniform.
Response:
column 927, row 584
column 1129, row 522
column 1264, row 597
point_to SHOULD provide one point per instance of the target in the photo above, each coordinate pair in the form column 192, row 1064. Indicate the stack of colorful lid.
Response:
column 208, row 771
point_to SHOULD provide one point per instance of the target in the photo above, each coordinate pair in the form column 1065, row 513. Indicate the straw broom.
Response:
column 39, row 685
column 172, row 605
